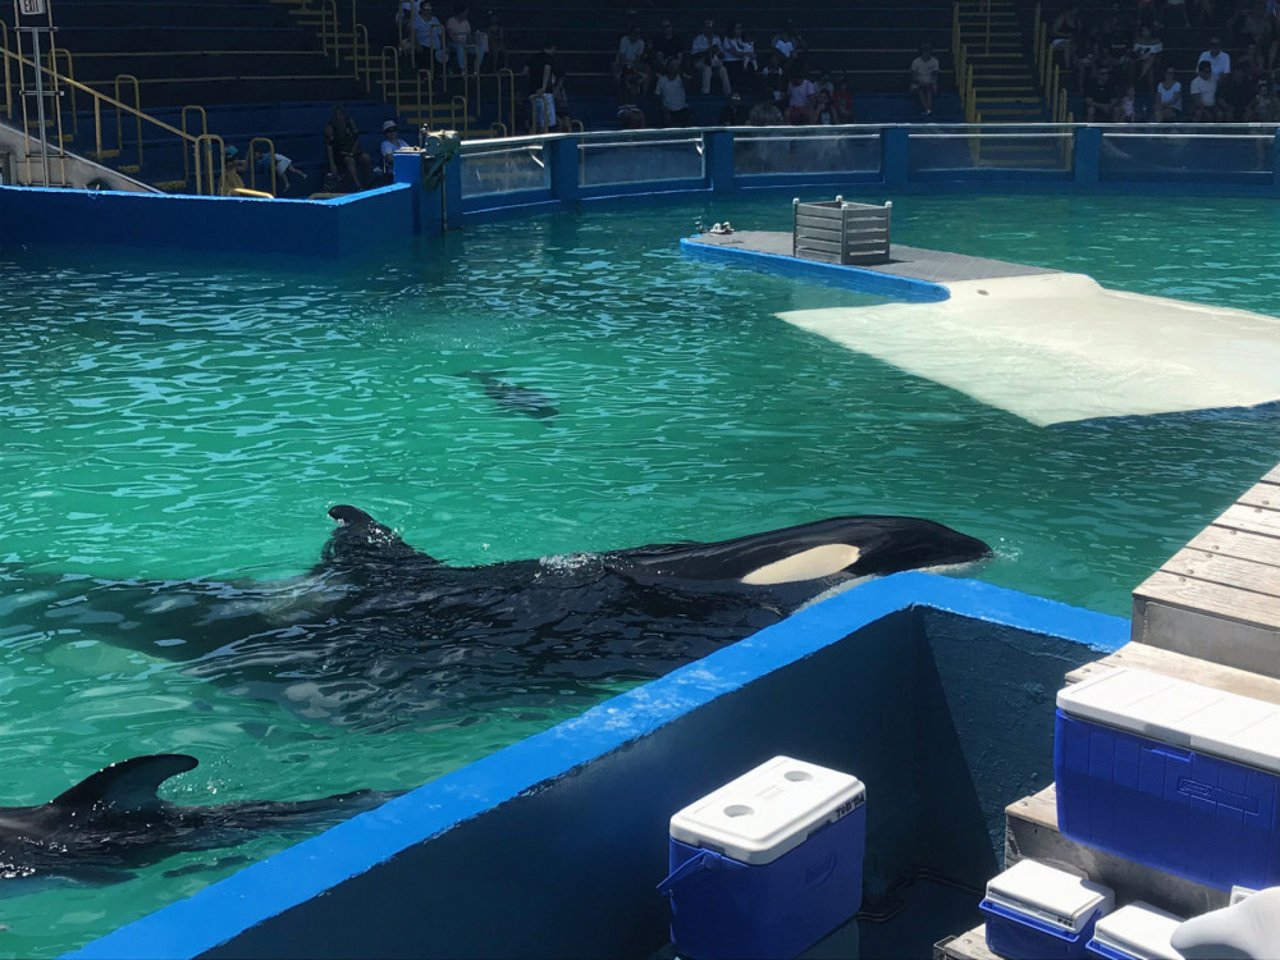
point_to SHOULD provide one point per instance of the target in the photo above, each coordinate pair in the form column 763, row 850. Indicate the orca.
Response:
column 512, row 397
column 379, row 634
column 114, row 821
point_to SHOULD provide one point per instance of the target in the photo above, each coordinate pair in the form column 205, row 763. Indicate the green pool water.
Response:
column 166, row 419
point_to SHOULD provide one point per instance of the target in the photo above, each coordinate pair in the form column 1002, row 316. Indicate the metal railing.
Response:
column 252, row 158
column 208, row 175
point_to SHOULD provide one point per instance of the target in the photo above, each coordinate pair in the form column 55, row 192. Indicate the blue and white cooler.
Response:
column 1038, row 912
column 768, row 864
column 1171, row 774
column 1137, row 931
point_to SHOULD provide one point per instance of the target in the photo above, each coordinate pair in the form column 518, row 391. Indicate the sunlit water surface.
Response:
column 182, row 419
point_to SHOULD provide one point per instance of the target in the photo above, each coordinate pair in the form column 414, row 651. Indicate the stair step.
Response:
column 173, row 186
column 130, row 168
column 970, row 945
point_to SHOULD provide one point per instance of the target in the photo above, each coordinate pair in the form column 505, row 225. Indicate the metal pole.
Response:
column 44, row 146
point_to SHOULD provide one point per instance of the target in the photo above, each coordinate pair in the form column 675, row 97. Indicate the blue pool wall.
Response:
column 340, row 228
column 902, row 160
column 937, row 692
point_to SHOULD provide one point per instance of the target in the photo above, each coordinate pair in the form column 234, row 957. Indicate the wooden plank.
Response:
column 1217, row 676
column 1229, row 571
column 1263, row 494
column 1237, row 543
column 1227, row 602
column 1251, row 520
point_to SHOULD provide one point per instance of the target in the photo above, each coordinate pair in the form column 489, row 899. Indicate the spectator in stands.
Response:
column 670, row 91
column 1204, row 94
column 824, row 111
column 708, row 58
column 842, row 99
column 284, row 167
column 1148, row 50
column 630, row 114
column 773, row 78
column 800, row 98
column 231, row 181
column 665, row 47
column 1264, row 107
column 1062, row 35
column 630, row 68
column 491, row 42
column 785, row 44
column 1217, row 58
column 924, row 78
column 1100, row 96
column 342, row 148
column 391, row 142
column 739, row 57
column 417, row 19
column 1167, row 102
column 544, row 72
column 735, row 113
column 1127, row 106
column 458, row 29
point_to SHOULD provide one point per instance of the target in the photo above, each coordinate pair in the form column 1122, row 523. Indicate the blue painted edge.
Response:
column 220, row 912
column 852, row 278
column 348, row 199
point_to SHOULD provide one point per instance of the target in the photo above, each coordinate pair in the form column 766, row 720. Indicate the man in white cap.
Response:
column 391, row 142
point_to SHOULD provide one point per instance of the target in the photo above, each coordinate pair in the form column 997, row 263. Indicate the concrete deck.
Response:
column 915, row 263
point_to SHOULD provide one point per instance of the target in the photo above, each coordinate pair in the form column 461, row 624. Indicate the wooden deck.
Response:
column 1218, row 598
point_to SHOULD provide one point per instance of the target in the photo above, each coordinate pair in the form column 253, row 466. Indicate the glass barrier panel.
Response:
column 676, row 157
column 756, row 153
column 487, row 170
column 1175, row 155
column 981, row 149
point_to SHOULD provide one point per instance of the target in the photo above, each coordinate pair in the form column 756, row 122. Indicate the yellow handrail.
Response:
column 459, row 99
column 253, row 166
column 391, row 72
column 4, row 54
column 204, row 148
column 360, row 41
column 204, row 129
column 70, row 74
column 426, row 112
column 510, row 76
column 137, row 103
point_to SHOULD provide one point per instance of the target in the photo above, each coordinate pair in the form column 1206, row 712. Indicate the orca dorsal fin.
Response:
column 128, row 786
column 359, row 540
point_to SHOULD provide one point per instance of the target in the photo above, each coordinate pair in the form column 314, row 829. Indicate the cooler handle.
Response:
column 701, row 862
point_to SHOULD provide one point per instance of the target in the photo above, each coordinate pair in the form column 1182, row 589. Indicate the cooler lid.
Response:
column 1180, row 713
column 768, row 811
column 1049, row 894
column 1139, row 930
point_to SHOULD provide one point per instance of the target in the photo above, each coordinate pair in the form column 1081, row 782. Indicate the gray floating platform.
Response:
column 912, row 273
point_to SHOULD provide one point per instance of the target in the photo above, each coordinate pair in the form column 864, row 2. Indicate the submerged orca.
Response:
column 115, row 820
column 379, row 634
column 513, row 397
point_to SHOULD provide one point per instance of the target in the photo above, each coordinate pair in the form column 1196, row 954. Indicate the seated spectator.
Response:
column 417, row 20
column 1127, row 106
column 765, row 114
column 1217, row 58
column 708, row 58
column 670, row 91
column 735, row 112
column 231, row 181
column 391, row 142
column 1147, row 52
column 1100, row 97
column 842, row 98
column 665, row 47
column 785, row 44
column 491, row 44
column 739, row 56
column 924, row 78
column 773, row 78
column 800, row 99
column 1204, row 95
column 630, row 115
column 343, row 151
column 458, row 30
column 1167, row 105
column 544, row 72
column 1264, row 107
column 824, row 111
column 630, row 69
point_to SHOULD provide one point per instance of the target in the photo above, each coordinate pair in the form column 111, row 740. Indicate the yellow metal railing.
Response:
column 56, row 54
column 128, row 80
column 360, row 54
column 507, row 77
column 4, row 55
column 389, row 62
column 204, row 129
column 253, row 165
column 459, row 102
column 207, row 175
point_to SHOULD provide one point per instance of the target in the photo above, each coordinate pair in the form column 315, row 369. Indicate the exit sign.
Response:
column 32, row 8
